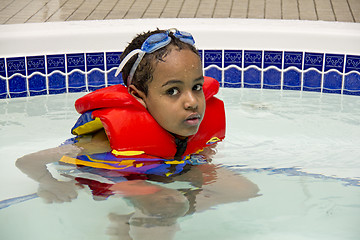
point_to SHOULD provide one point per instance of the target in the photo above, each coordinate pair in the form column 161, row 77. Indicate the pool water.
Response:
column 299, row 148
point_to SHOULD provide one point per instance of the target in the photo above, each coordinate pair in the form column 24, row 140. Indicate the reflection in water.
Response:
column 160, row 192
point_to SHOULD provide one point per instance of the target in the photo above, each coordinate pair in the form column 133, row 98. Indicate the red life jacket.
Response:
column 130, row 127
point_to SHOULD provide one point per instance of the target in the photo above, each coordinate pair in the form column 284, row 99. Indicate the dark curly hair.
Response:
column 144, row 72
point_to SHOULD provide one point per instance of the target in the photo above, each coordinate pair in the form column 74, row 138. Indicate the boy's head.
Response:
column 144, row 72
column 167, row 81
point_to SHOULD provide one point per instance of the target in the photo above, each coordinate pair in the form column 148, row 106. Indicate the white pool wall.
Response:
column 113, row 35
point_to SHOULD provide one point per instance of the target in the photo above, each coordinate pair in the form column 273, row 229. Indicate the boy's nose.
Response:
column 190, row 101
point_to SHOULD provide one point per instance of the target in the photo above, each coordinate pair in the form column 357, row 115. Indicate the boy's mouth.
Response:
column 193, row 119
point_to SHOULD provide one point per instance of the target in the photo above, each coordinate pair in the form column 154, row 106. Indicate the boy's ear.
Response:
column 138, row 94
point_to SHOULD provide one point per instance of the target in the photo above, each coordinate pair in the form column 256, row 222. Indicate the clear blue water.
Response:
column 299, row 149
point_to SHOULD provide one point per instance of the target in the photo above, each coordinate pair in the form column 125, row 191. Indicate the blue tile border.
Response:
column 56, row 63
column 112, row 59
column 75, row 61
column 313, row 60
column 334, row 62
column 352, row 63
column 252, row 58
column 16, row 66
column 293, row 59
column 213, row 57
column 236, row 68
column 35, row 64
column 233, row 57
column 95, row 61
column 273, row 58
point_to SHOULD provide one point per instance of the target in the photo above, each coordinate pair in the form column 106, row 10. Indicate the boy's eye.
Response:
column 172, row 91
column 197, row 87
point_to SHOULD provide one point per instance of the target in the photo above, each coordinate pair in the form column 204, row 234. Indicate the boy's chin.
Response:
column 186, row 134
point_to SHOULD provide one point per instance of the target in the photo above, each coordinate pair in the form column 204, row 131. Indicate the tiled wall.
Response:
column 53, row 74
column 303, row 71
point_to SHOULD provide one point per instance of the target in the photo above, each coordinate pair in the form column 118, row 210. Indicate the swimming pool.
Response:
column 299, row 147
column 306, row 167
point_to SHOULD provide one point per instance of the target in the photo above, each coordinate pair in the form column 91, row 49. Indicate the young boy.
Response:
column 162, row 110
column 167, row 109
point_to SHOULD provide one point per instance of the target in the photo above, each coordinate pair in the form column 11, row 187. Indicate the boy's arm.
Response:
column 34, row 166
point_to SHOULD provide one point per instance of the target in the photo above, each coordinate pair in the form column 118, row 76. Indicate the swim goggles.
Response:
column 150, row 45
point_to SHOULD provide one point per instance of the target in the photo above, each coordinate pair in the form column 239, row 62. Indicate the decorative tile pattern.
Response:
column 352, row 76
column 332, row 79
column 95, row 60
column 233, row 76
column 352, row 63
column 233, row 57
column 213, row 57
column 75, row 62
column 293, row 59
column 252, row 58
column 288, row 70
column 314, row 60
column 273, row 58
column 17, row 83
column 35, row 64
column 96, row 78
column 334, row 62
column 16, row 65
column 35, row 73
column 76, row 80
column 113, row 61
column 55, row 63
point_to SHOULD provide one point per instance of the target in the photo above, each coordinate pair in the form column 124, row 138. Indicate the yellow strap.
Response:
column 127, row 153
column 76, row 161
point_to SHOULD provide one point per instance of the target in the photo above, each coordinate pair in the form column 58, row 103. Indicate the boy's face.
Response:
column 175, row 97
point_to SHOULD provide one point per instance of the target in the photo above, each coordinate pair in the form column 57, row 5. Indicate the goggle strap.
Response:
column 125, row 60
column 134, row 67
column 182, row 36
